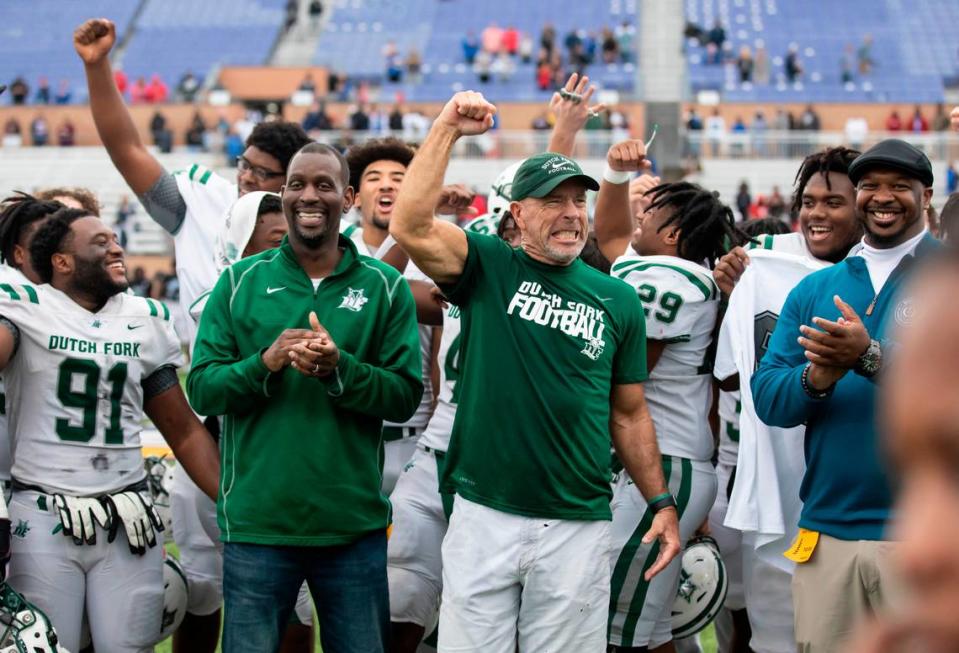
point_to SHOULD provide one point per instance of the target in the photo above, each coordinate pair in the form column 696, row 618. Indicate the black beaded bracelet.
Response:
column 811, row 391
column 668, row 501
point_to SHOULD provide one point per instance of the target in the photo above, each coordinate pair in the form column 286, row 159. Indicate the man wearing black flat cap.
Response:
column 826, row 356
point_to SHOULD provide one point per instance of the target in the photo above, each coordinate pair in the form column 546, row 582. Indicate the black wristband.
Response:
column 668, row 501
column 811, row 391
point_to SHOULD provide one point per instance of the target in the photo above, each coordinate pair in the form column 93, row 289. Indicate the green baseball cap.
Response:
column 540, row 174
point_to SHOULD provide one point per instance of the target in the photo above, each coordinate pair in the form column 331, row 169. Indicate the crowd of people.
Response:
column 507, row 431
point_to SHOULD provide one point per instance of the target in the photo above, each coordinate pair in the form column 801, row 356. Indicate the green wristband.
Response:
column 659, row 497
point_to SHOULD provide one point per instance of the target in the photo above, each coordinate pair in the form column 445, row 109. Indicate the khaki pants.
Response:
column 843, row 582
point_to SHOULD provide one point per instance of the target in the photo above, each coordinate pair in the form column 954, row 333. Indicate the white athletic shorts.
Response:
column 120, row 592
column 508, row 580
column 197, row 536
column 640, row 612
column 414, row 553
column 769, row 601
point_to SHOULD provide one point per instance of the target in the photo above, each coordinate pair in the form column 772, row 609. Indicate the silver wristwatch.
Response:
column 870, row 361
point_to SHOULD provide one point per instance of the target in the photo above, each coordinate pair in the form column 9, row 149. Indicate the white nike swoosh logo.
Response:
column 270, row 291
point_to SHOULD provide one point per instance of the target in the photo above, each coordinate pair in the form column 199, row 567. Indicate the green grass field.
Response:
column 708, row 637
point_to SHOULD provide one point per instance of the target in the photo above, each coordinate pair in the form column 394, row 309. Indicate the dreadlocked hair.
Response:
column 707, row 228
column 831, row 159
column 52, row 236
column 18, row 212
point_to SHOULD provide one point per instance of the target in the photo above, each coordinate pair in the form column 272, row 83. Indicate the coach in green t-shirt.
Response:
column 553, row 359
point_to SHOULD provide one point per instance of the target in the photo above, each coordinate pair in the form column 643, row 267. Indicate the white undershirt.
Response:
column 316, row 283
column 881, row 262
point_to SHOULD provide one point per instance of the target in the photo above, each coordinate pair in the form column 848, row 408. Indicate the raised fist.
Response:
column 467, row 113
column 94, row 39
column 628, row 156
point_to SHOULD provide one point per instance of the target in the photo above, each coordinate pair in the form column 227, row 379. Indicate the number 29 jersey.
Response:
column 680, row 301
column 74, row 394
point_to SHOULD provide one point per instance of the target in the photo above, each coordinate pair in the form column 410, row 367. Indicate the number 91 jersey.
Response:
column 74, row 394
column 680, row 300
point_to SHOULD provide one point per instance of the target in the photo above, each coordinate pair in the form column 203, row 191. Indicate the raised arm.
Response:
column 613, row 217
column 93, row 41
column 572, row 110
column 437, row 247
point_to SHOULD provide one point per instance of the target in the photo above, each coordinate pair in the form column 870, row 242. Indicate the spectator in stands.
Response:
column 483, row 65
column 574, row 45
column 693, row 121
column 315, row 11
column 864, row 55
column 526, row 47
column 952, row 178
column 307, row 83
column 195, row 132
column 783, row 121
column 66, row 133
column 317, row 119
column 693, row 31
column 856, row 130
column 503, row 66
column 761, row 69
column 847, row 64
column 414, row 65
column 396, row 118
column 544, row 75
column 157, row 91
column 743, row 200
column 893, row 122
column 391, row 59
column 541, row 122
column 162, row 136
column 42, row 95
column 758, row 130
column 625, row 34
column 120, row 79
column 379, row 120
column 745, row 64
column 792, row 65
column 471, row 46
column 547, row 39
column 12, row 133
column 918, row 122
column 139, row 284
column 64, row 94
column 716, row 37
column 940, row 121
column 609, row 46
column 510, row 42
column 715, row 131
column 492, row 38
column 138, row 92
column 589, row 46
column 39, row 131
column 334, row 82
column 776, row 203
column 124, row 211
column 360, row 119
column 809, row 119
column 187, row 87
column 19, row 90
column 415, row 125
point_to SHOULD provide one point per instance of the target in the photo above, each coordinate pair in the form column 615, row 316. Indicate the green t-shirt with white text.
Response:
column 542, row 347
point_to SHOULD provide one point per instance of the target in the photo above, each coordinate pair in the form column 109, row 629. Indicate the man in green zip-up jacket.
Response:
column 305, row 350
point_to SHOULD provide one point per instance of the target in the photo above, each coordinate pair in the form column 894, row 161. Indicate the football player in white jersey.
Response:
column 769, row 464
column 191, row 205
column 682, row 228
column 84, row 362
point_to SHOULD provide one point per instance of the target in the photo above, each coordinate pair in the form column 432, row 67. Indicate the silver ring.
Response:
column 316, row 367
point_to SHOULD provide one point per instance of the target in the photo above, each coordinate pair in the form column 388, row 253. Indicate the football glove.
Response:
column 139, row 518
column 79, row 517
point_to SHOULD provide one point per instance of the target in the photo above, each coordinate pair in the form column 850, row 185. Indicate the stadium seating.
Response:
column 357, row 30
column 193, row 36
column 36, row 39
column 914, row 48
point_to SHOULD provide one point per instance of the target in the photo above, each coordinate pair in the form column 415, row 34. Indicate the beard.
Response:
column 92, row 278
column 380, row 222
column 315, row 239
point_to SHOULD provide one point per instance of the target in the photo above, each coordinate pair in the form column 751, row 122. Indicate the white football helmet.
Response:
column 23, row 627
column 703, row 584
column 175, row 595
column 499, row 197
column 160, row 483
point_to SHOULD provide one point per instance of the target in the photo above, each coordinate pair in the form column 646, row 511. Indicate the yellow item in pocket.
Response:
column 803, row 546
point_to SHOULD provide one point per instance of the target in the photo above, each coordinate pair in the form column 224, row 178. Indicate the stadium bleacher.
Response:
column 362, row 27
column 36, row 39
column 914, row 48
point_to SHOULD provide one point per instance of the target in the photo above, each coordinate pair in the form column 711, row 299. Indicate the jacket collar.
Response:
column 349, row 259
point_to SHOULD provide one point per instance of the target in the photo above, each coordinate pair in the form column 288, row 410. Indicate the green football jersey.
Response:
column 542, row 347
